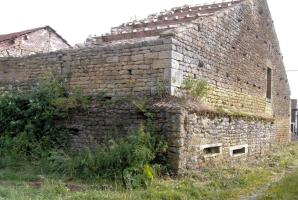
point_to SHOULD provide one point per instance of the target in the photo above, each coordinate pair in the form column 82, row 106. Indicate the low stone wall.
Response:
column 194, row 139
column 210, row 138
column 111, row 119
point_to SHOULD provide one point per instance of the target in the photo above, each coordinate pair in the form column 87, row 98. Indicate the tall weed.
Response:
column 132, row 160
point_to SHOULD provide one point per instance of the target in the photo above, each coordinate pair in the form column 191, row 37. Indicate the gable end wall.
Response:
column 232, row 51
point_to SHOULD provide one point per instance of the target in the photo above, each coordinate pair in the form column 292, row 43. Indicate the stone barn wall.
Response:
column 116, row 70
column 232, row 51
column 210, row 138
column 195, row 138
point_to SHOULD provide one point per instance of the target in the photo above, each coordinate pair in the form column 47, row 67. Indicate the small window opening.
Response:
column 239, row 151
column 269, row 83
column 212, row 150
column 130, row 71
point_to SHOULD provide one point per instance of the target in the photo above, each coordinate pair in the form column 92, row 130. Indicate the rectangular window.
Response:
column 211, row 150
column 238, row 150
column 269, row 83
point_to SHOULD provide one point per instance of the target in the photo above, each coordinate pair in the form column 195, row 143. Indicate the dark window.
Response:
column 239, row 151
column 269, row 83
column 293, row 116
column 212, row 150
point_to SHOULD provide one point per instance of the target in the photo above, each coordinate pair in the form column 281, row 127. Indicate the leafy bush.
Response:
column 132, row 159
column 29, row 132
column 27, row 119
column 196, row 88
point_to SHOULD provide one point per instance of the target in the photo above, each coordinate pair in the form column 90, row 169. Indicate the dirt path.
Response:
column 258, row 193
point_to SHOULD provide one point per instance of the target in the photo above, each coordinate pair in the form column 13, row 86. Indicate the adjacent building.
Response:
column 294, row 120
column 28, row 42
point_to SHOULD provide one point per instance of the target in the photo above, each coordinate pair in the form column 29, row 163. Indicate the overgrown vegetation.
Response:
column 161, row 88
column 30, row 134
column 131, row 160
column 26, row 182
column 36, row 162
column 195, row 88
column 27, row 119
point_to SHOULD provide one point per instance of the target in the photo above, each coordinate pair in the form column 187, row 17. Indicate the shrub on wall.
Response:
column 196, row 88
column 27, row 119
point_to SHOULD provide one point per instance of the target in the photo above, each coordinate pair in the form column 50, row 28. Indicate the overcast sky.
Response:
column 76, row 19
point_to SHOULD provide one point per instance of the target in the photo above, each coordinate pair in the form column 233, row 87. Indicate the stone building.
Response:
column 231, row 45
column 28, row 42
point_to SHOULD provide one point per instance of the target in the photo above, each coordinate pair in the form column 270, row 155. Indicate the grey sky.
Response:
column 76, row 19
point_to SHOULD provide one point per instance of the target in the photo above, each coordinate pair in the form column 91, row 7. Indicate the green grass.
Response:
column 286, row 189
column 24, row 182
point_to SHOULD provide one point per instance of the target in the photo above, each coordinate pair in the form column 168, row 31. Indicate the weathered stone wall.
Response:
column 189, row 132
column 202, row 132
column 40, row 41
column 100, row 123
column 117, row 70
column 232, row 51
